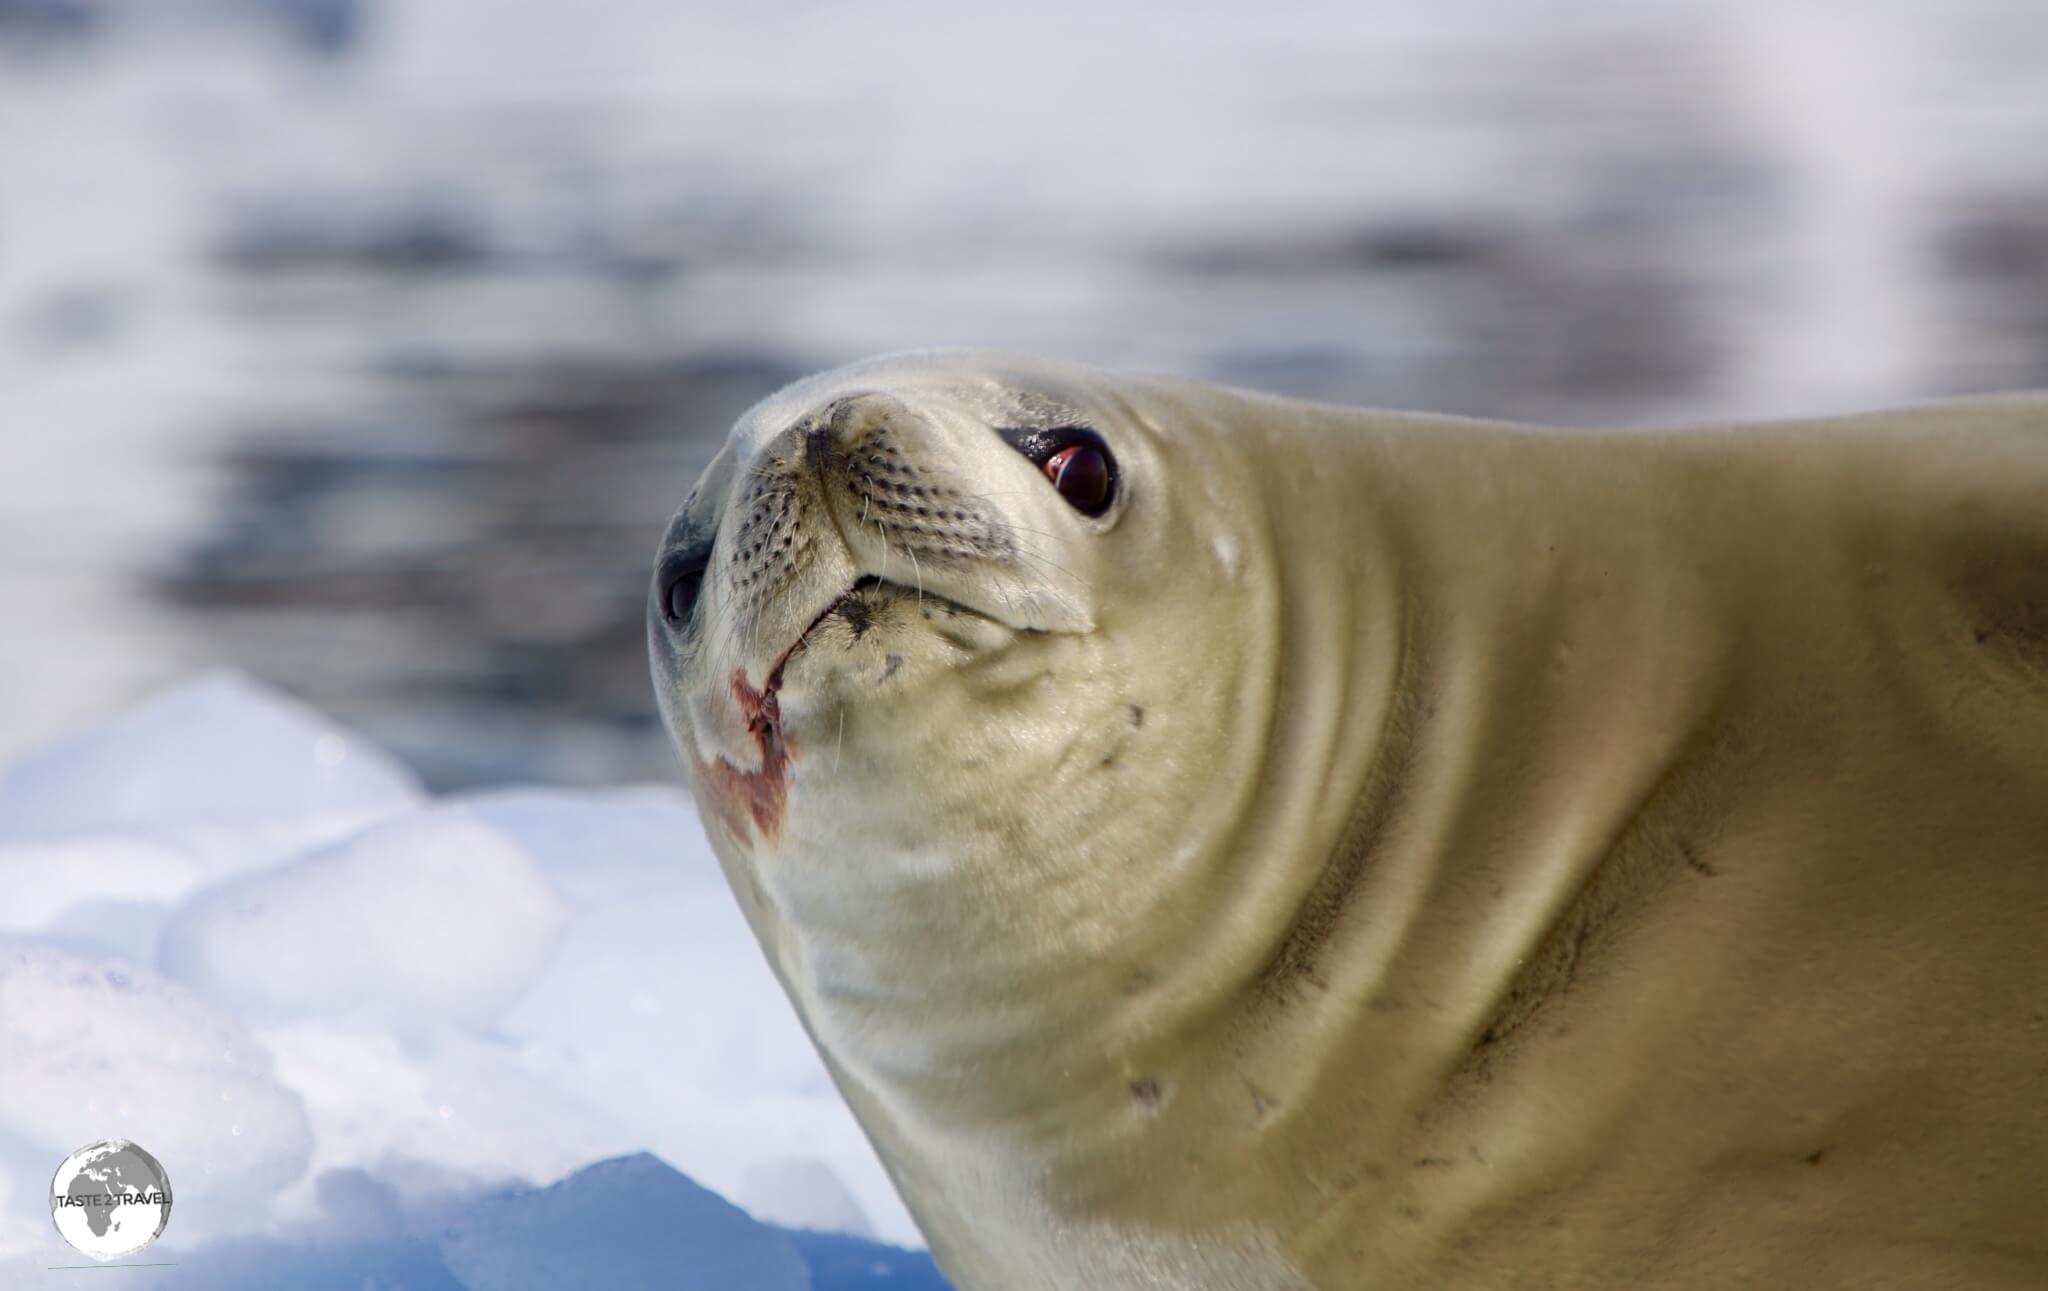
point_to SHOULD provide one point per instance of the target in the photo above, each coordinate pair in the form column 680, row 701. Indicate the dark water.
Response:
column 491, row 575
column 474, row 298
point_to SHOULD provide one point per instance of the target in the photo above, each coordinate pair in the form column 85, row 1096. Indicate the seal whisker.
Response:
column 882, row 532
column 1047, row 562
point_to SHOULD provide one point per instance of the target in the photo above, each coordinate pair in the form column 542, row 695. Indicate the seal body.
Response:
column 1387, row 851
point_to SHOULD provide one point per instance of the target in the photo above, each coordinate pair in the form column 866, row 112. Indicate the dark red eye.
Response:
column 1081, row 474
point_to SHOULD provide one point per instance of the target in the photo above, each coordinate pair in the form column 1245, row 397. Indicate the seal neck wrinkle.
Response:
column 1457, row 752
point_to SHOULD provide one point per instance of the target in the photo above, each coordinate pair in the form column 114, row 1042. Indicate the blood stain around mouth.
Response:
column 761, row 794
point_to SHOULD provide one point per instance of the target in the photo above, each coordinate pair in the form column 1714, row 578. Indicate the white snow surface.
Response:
column 242, row 937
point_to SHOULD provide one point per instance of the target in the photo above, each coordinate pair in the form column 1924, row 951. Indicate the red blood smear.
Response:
column 761, row 795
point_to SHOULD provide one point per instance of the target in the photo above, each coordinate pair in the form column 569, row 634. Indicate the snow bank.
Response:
column 340, row 1013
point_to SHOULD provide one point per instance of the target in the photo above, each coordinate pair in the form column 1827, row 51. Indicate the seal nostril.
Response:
column 818, row 448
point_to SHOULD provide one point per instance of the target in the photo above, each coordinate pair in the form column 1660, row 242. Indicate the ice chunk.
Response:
column 434, row 1114
column 624, row 1224
column 659, row 970
column 110, row 894
column 842, row 1263
column 216, row 750
column 357, row 1204
column 431, row 918
column 309, row 1264
column 801, row 1192
column 40, row 881
column 94, row 1049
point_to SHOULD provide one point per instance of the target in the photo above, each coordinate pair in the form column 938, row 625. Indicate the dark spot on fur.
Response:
column 890, row 663
column 855, row 611
column 1147, row 1093
column 1108, row 760
column 1814, row 1157
column 1692, row 859
column 1434, row 1163
column 1263, row 1102
column 1994, row 565
column 1137, row 715
column 1138, row 982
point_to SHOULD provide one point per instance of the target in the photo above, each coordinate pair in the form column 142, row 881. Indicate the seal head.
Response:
column 968, row 661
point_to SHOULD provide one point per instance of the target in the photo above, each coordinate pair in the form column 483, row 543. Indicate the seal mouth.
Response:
column 846, row 602
column 762, row 708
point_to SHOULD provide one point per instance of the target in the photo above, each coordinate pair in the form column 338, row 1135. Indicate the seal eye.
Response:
column 681, row 580
column 1074, row 458
column 1081, row 474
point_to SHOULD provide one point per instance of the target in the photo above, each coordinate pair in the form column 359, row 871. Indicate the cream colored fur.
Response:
column 1398, row 852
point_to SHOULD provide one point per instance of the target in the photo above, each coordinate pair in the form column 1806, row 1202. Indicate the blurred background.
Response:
column 366, row 345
